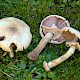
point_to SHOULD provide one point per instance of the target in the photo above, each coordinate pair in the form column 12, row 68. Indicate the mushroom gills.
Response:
column 68, row 36
column 70, row 33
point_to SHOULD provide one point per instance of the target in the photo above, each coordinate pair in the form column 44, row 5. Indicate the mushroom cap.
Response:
column 14, row 31
column 54, row 23
column 70, row 34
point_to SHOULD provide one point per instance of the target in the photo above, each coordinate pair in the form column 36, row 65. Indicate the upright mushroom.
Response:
column 50, row 31
column 14, row 33
column 71, row 36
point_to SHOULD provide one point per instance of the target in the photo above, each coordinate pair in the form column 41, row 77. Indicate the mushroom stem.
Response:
column 12, row 46
column 11, row 54
column 59, row 60
column 34, row 54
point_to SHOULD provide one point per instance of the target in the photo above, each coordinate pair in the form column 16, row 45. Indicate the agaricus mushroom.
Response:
column 50, row 31
column 71, row 35
column 14, row 33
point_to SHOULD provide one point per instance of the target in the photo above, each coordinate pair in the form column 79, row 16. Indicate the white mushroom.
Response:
column 14, row 33
column 50, row 30
column 71, row 36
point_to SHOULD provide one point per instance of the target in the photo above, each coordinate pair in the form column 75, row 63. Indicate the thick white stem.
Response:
column 34, row 54
column 59, row 60
column 11, row 54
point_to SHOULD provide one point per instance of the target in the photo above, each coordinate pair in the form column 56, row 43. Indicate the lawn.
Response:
column 33, row 12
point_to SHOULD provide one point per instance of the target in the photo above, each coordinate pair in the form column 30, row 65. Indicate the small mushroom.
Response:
column 14, row 35
column 71, row 36
column 50, row 31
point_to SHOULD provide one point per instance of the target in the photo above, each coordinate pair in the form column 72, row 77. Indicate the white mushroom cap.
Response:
column 14, row 31
column 50, row 23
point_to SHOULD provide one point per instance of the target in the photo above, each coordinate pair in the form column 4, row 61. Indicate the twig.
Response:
column 5, row 73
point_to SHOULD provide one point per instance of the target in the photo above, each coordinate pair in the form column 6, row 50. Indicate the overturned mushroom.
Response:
column 50, row 30
column 71, row 36
column 14, row 33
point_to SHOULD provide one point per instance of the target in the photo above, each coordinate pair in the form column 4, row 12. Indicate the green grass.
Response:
column 33, row 12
